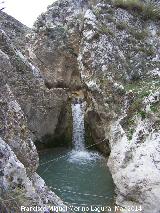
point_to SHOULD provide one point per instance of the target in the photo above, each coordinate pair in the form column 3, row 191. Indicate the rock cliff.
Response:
column 111, row 50
column 28, row 111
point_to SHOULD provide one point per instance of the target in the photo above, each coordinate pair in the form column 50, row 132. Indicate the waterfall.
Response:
column 78, row 138
column 80, row 154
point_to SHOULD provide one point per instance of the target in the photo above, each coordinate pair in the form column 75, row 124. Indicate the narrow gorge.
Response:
column 80, row 108
column 78, row 175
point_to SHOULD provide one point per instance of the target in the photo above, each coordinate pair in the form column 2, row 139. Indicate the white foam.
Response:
column 80, row 154
column 83, row 157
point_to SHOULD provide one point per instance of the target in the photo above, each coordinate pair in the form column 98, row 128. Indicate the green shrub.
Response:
column 138, row 34
column 97, row 11
column 143, row 114
column 130, row 133
column 136, row 105
column 110, row 18
column 129, row 4
column 153, row 109
column 148, row 9
column 121, row 25
column 105, row 30
column 149, row 51
column 110, row 11
column 143, row 94
column 151, row 10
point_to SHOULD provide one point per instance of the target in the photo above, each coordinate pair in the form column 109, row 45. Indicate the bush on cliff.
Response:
column 147, row 9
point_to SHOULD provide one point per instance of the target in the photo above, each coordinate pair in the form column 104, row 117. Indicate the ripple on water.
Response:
column 83, row 157
column 78, row 176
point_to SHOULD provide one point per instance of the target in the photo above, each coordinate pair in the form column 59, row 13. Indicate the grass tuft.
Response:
column 129, row 4
column 148, row 9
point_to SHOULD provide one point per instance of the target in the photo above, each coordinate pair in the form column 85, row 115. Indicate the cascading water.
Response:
column 79, row 153
column 78, row 137
column 79, row 176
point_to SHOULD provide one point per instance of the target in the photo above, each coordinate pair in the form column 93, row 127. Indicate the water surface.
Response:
column 80, row 178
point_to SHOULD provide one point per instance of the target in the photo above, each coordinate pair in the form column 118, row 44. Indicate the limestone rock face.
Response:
column 28, row 110
column 134, row 165
column 119, row 64
column 55, row 45
column 15, row 30
column 17, row 189
column 15, row 131
column 40, row 105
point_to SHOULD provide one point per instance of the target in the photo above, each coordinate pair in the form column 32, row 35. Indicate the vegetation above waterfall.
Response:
column 146, row 9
